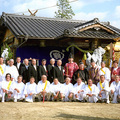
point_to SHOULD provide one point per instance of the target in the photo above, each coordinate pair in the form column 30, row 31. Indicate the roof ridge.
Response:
column 38, row 17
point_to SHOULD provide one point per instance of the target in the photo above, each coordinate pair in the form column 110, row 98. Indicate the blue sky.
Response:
column 105, row 10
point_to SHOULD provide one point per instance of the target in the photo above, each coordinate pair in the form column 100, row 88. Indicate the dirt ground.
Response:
column 59, row 111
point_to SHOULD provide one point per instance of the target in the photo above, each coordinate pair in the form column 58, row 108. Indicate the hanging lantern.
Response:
column 84, row 56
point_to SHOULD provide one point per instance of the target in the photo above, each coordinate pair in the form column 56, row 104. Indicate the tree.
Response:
column 64, row 10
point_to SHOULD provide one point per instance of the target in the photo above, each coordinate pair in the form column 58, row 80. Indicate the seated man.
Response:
column 79, row 90
column 19, row 89
column 103, row 89
column 67, row 90
column 43, row 88
column 7, row 88
column 30, row 90
column 91, row 92
column 55, row 89
column 114, row 89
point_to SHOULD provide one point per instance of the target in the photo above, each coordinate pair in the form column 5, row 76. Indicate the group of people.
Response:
column 28, row 82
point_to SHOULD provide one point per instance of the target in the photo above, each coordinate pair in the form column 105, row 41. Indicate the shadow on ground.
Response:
column 79, row 117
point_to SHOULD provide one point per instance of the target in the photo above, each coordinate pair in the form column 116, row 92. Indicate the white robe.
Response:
column 115, row 89
column 55, row 88
column 105, row 93
column 77, row 88
column 13, row 71
column 30, row 88
column 66, row 90
column 4, row 86
column 41, row 85
column 2, row 75
column 20, row 87
column 94, row 91
column 107, row 73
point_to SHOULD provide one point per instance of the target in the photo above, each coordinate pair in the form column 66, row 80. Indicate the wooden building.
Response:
column 38, row 37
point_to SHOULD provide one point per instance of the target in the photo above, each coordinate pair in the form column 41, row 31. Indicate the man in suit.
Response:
column 50, row 68
column 27, row 71
column 35, row 70
column 59, row 72
column 42, row 69
column 19, row 65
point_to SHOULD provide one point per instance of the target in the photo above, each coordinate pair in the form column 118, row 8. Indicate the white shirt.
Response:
column 94, row 91
column 30, row 88
column 78, row 87
column 107, row 73
column 35, row 67
column 18, row 65
column 114, row 86
column 55, row 88
column 45, row 67
column 41, row 85
column 105, row 84
column 2, row 75
column 13, row 71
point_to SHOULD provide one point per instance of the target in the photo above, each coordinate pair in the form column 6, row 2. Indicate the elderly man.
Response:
column 58, row 72
column 70, row 67
column 2, row 69
column 43, row 88
column 82, row 72
column 104, row 89
column 94, row 73
column 18, row 89
column 55, row 89
column 30, row 90
column 19, row 65
column 50, row 68
column 12, row 70
column 105, row 71
column 114, row 89
column 28, row 71
column 67, row 90
column 79, row 90
column 91, row 92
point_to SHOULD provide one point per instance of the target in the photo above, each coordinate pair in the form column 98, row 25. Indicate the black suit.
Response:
column 50, row 72
column 27, row 73
column 34, row 73
column 41, row 71
column 20, row 68
column 57, row 73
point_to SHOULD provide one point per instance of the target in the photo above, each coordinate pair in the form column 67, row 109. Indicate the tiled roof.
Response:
column 51, row 28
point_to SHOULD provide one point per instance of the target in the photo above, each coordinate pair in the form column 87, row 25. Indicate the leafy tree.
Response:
column 64, row 10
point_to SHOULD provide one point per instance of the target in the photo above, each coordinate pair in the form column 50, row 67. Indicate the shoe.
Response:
column 15, row 100
column 108, row 102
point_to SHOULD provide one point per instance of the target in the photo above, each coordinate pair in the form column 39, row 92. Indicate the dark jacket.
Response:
column 41, row 71
column 83, row 74
column 57, row 73
column 50, row 73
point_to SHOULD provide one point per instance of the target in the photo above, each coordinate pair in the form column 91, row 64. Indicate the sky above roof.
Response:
column 105, row 10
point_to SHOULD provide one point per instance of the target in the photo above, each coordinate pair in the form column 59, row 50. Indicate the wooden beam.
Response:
column 117, row 39
column 96, row 25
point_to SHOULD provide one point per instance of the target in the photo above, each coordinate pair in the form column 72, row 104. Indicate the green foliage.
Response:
column 10, row 53
column 64, row 10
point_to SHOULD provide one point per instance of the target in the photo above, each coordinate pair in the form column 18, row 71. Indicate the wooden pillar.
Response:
column 94, row 43
column 72, row 48
column 72, row 51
